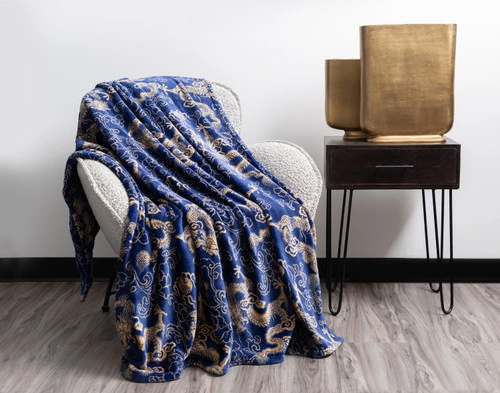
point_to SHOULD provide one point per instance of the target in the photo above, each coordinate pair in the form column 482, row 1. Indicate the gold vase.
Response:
column 407, row 82
column 342, row 97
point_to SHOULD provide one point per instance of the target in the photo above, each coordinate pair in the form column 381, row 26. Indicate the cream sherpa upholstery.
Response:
column 293, row 166
column 288, row 162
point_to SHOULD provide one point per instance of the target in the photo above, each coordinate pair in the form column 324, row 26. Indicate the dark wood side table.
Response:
column 362, row 165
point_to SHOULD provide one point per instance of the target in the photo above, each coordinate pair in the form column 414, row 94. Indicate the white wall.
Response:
column 272, row 53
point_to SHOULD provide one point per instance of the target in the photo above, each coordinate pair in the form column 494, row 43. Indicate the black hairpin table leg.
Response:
column 429, row 266
column 109, row 289
column 340, row 274
column 329, row 241
column 440, row 244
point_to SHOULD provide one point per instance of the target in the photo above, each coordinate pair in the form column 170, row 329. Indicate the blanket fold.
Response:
column 217, row 265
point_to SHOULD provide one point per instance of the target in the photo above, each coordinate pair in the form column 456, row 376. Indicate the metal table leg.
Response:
column 341, row 266
column 329, row 241
column 429, row 266
column 440, row 244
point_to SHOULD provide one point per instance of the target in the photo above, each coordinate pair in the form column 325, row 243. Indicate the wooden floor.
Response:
column 396, row 340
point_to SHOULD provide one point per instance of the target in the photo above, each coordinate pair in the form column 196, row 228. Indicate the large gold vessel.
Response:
column 342, row 95
column 407, row 82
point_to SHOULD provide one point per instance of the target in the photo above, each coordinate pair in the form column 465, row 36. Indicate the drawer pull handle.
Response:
column 394, row 166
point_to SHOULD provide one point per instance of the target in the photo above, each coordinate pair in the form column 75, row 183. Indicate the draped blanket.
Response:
column 217, row 265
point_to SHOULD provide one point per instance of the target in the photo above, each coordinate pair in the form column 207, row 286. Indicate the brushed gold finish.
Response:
column 355, row 135
column 407, row 81
column 342, row 97
column 407, row 138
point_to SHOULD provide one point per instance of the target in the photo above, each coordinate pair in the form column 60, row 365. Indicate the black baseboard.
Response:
column 416, row 270
column 358, row 269
column 50, row 269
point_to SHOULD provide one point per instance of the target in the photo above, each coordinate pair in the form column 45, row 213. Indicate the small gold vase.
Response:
column 342, row 97
column 407, row 82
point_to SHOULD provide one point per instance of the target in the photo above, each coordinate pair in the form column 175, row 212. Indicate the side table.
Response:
column 360, row 165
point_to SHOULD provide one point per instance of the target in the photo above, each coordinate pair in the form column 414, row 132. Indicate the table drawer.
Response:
column 386, row 167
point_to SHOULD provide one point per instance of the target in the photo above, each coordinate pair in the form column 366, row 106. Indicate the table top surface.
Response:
column 338, row 141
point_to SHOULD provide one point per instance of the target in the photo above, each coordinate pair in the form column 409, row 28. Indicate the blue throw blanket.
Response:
column 217, row 265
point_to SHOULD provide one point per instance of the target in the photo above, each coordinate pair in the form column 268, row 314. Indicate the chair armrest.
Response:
column 294, row 167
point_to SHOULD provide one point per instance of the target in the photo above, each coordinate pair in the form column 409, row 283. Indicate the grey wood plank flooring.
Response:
column 396, row 340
